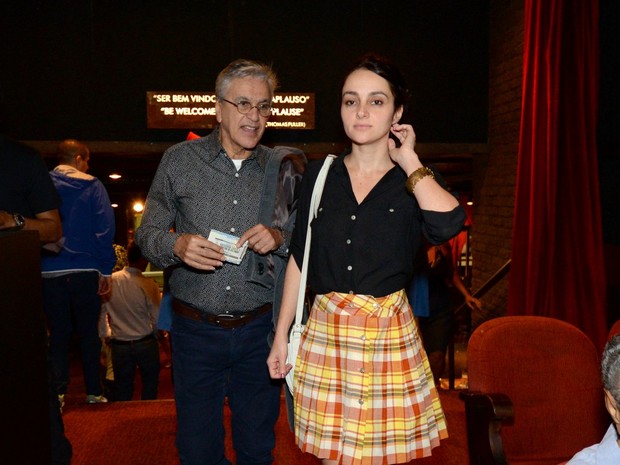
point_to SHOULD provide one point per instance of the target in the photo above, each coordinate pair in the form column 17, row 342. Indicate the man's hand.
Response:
column 105, row 285
column 262, row 239
column 198, row 252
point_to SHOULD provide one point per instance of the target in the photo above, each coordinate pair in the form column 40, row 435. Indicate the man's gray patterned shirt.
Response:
column 197, row 188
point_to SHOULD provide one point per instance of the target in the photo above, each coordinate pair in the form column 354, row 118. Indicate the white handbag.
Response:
column 298, row 326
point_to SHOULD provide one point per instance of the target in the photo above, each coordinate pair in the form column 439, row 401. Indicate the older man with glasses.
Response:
column 608, row 450
column 220, row 212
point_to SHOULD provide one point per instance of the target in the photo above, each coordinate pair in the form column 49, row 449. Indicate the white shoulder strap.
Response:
column 317, row 191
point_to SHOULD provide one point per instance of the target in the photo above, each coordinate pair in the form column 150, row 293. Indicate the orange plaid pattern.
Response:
column 364, row 391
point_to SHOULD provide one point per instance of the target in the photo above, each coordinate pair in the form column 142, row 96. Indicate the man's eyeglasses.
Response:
column 243, row 107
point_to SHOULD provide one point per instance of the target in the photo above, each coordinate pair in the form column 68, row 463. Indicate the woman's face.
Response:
column 367, row 108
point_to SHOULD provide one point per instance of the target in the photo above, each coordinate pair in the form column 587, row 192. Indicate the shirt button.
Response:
column 362, row 370
column 363, row 337
column 391, row 210
column 349, row 267
column 232, row 230
column 348, row 241
column 235, row 202
column 353, row 217
column 236, row 175
column 228, row 288
column 351, row 292
column 361, row 401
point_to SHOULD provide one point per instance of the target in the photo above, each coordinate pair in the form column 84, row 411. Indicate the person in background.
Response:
column 29, row 201
column 129, row 323
column 434, row 289
column 165, row 320
column 106, row 351
column 229, row 185
column 443, row 282
column 75, row 278
column 607, row 452
column 364, row 391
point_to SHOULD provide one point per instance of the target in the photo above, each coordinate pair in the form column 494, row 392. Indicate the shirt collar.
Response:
column 214, row 149
column 395, row 173
column 608, row 450
column 133, row 270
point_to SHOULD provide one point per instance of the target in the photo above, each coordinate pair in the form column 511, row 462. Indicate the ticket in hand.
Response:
column 232, row 253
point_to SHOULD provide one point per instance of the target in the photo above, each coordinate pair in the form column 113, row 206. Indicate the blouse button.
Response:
column 353, row 217
column 391, row 210
column 349, row 267
column 348, row 241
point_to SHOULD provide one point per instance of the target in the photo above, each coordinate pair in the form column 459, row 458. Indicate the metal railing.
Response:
column 488, row 285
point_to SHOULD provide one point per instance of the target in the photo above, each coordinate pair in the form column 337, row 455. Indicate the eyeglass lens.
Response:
column 245, row 107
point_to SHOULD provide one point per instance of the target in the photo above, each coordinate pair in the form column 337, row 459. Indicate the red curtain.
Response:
column 557, row 265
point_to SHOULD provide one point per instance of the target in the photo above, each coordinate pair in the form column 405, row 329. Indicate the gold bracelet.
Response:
column 418, row 174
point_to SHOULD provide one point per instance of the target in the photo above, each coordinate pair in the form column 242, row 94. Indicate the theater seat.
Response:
column 535, row 395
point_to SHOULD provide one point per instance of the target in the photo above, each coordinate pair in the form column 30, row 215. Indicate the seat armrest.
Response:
column 485, row 413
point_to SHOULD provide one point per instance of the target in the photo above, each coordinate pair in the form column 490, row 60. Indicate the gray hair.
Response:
column 610, row 367
column 244, row 68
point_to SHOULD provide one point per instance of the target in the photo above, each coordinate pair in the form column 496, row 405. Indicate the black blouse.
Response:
column 366, row 248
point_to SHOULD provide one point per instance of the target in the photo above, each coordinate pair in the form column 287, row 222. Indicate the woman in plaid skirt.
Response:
column 364, row 391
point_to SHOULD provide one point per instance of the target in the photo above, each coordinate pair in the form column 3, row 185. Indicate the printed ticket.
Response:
column 232, row 253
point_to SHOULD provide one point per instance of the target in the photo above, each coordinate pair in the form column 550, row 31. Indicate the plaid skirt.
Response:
column 364, row 391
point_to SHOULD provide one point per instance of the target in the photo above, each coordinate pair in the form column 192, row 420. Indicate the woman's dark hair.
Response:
column 383, row 67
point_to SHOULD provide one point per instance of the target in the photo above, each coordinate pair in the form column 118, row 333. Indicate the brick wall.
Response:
column 495, row 172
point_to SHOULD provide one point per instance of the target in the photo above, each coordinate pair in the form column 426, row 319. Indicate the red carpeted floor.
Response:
column 142, row 432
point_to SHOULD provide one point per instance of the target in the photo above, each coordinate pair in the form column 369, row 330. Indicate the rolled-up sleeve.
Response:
column 439, row 227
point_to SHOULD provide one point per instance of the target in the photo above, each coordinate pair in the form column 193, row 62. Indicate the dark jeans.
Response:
column 211, row 363
column 71, row 300
column 125, row 358
column 62, row 451
column 437, row 330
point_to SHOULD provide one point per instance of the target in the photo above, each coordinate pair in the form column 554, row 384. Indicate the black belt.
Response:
column 222, row 320
column 142, row 339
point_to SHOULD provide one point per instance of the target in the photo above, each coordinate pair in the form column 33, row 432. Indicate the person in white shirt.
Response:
column 608, row 450
column 129, row 323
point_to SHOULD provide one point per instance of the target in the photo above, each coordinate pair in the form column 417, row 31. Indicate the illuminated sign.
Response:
column 196, row 110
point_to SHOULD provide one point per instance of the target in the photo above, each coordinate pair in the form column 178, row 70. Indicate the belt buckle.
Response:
column 230, row 317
